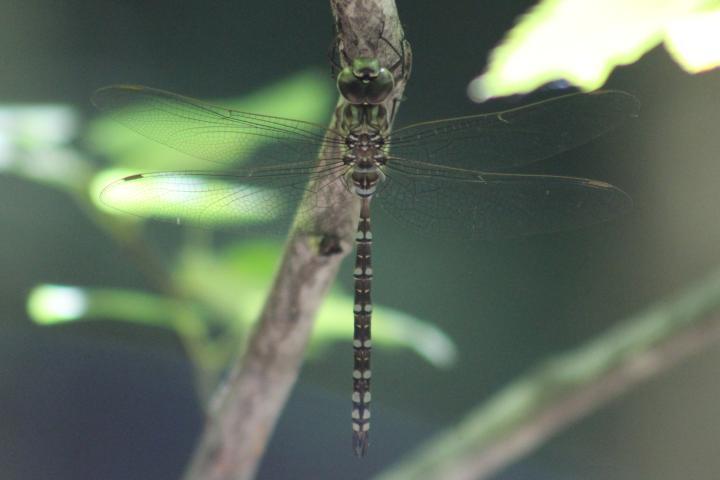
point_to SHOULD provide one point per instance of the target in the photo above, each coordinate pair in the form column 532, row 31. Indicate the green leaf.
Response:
column 54, row 304
column 582, row 42
column 693, row 41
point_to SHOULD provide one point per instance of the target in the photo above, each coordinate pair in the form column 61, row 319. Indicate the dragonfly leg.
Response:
column 334, row 56
column 400, row 54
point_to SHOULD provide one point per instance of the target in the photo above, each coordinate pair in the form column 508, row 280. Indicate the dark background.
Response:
column 109, row 401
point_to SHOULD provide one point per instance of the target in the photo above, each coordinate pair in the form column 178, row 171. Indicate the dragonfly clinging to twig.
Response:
column 444, row 175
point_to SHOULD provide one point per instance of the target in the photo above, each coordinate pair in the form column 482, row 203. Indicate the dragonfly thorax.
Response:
column 359, row 143
column 357, row 119
column 364, row 128
column 365, row 155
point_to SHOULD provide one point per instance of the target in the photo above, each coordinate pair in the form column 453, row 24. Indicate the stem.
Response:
column 569, row 386
column 246, row 407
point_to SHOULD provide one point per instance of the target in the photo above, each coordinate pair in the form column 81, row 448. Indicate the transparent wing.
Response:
column 208, row 132
column 509, row 139
column 208, row 199
column 493, row 205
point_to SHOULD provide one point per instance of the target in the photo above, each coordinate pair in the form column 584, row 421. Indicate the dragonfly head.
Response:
column 365, row 82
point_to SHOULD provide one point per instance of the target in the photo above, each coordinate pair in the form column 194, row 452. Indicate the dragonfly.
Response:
column 455, row 175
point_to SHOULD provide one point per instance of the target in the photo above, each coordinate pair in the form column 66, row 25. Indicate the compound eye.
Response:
column 365, row 83
column 380, row 88
column 352, row 89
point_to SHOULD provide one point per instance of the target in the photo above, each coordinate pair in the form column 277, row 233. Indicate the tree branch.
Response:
column 245, row 409
column 568, row 387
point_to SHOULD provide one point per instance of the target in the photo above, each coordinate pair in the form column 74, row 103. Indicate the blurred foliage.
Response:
column 213, row 282
column 208, row 296
column 581, row 42
column 569, row 384
column 35, row 143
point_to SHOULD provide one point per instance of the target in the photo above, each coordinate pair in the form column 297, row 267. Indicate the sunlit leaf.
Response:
column 49, row 304
column 53, row 304
column 582, row 42
column 306, row 96
column 694, row 41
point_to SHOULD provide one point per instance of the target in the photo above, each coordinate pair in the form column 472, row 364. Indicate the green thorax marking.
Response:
column 358, row 119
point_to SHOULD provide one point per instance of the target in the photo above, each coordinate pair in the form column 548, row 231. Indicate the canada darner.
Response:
column 439, row 176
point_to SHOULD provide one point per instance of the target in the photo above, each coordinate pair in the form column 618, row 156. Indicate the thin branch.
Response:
column 523, row 415
column 245, row 409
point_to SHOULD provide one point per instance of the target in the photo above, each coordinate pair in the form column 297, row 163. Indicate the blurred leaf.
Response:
column 230, row 288
column 566, row 387
column 53, row 304
column 36, row 144
column 34, row 126
column 582, row 42
column 306, row 96
column 233, row 281
column 694, row 41
column 236, row 282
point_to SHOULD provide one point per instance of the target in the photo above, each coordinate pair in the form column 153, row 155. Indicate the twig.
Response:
column 569, row 386
column 245, row 409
